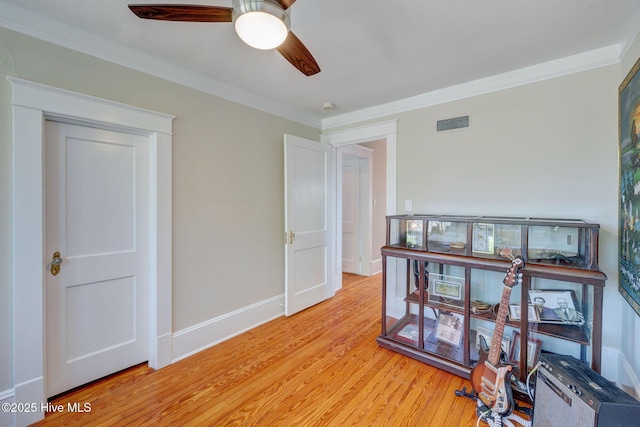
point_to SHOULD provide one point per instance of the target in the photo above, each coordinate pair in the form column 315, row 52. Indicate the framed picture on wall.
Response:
column 629, row 194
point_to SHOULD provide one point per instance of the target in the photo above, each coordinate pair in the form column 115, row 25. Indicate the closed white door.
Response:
column 351, row 224
column 97, row 200
column 309, row 222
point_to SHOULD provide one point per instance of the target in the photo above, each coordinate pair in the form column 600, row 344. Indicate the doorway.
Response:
column 357, row 171
column 32, row 104
column 383, row 133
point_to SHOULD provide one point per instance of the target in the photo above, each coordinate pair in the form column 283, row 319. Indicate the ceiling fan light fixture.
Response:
column 261, row 24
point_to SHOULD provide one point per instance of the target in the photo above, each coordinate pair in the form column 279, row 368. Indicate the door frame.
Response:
column 32, row 104
column 387, row 131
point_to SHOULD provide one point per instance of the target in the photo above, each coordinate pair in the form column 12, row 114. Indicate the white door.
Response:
column 97, row 201
column 309, row 222
column 351, row 224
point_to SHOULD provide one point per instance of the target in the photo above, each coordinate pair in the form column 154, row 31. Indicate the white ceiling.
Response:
column 373, row 53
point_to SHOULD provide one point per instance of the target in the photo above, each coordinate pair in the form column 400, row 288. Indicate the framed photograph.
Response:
column 450, row 326
column 409, row 333
column 487, row 334
column 483, row 238
column 629, row 198
column 534, row 348
column 414, row 233
column 446, row 290
column 556, row 306
column 447, row 286
column 515, row 313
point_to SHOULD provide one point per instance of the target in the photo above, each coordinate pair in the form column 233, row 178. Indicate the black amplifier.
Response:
column 569, row 394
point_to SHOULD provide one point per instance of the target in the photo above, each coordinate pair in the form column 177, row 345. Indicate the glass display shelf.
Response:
column 563, row 242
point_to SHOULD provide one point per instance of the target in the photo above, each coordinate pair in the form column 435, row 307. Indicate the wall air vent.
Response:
column 454, row 123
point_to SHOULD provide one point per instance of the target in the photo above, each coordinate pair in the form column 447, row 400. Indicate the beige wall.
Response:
column 228, row 180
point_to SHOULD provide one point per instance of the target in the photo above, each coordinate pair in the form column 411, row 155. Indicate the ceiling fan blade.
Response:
column 298, row 55
column 286, row 4
column 182, row 12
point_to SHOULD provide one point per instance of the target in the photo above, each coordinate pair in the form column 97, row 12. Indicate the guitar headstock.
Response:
column 513, row 276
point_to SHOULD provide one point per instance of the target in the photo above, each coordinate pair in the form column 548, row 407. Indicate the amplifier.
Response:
column 569, row 394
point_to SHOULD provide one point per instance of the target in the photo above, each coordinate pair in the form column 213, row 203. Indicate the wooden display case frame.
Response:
column 460, row 360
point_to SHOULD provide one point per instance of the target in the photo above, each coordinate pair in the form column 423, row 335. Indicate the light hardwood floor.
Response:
column 320, row 367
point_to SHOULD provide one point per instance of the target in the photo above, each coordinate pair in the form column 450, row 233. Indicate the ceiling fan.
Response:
column 256, row 22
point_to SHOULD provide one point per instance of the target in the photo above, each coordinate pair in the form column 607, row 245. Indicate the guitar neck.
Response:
column 496, row 341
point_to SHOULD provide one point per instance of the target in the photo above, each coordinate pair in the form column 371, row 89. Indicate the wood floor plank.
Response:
column 320, row 367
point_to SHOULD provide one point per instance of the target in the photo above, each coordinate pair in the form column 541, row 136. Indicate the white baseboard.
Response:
column 163, row 353
column 375, row 266
column 199, row 337
column 7, row 418
column 30, row 392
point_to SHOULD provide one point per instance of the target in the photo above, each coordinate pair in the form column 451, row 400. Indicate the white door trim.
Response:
column 31, row 104
column 388, row 131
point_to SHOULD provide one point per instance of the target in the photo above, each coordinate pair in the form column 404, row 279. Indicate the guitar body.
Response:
column 492, row 384
column 491, row 378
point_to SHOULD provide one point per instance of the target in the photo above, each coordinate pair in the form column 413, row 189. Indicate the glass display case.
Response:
column 444, row 284
column 562, row 244
column 565, row 242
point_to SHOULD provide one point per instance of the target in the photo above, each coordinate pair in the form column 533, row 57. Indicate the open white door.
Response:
column 309, row 223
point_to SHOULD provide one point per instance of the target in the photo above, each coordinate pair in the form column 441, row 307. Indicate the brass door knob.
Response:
column 55, row 263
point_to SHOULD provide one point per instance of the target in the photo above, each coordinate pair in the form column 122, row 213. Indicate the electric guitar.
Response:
column 491, row 379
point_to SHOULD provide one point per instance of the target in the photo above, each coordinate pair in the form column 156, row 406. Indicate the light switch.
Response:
column 408, row 205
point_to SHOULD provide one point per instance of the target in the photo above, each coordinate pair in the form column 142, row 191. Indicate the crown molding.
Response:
column 572, row 64
column 49, row 30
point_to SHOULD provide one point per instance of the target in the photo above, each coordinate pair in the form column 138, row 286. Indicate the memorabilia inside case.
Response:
column 446, row 236
column 557, row 245
column 449, row 328
column 444, row 282
column 446, row 291
column 483, row 336
column 556, row 306
column 534, row 348
column 414, row 233
column 491, row 236
column 406, row 232
column 564, row 242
